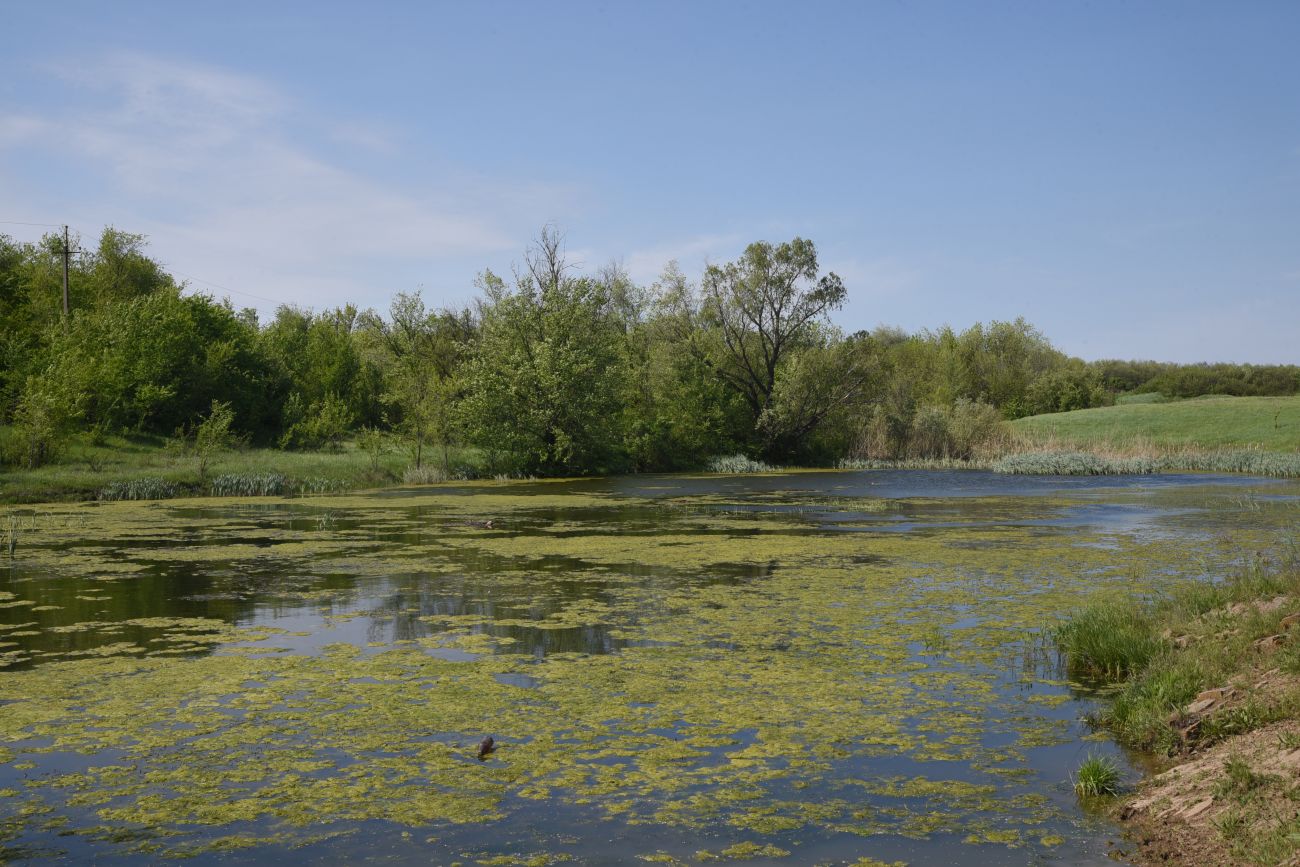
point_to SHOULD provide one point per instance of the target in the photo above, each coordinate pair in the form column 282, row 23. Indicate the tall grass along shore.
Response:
column 1206, row 679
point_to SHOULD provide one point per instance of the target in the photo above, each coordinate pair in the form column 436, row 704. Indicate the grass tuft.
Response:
column 1108, row 640
column 1239, row 780
column 1166, row 651
column 1097, row 776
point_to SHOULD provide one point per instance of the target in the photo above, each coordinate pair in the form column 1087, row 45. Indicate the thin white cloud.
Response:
column 17, row 129
column 874, row 278
column 230, row 181
column 644, row 266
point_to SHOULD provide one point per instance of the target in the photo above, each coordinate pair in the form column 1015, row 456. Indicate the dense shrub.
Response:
column 1064, row 390
column 322, row 425
column 962, row 431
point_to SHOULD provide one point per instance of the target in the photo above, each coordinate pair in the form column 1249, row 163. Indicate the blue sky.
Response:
column 1124, row 175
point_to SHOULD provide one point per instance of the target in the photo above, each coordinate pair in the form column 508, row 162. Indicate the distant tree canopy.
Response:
column 555, row 372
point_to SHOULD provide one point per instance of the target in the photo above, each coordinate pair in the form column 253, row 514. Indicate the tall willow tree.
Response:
column 753, row 319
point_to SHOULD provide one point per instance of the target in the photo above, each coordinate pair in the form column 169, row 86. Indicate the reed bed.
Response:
column 148, row 488
column 1081, row 463
column 738, row 464
column 226, row 485
column 912, row 464
column 249, row 485
column 317, row 485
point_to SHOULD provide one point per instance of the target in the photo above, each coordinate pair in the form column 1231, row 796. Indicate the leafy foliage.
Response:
column 213, row 435
column 557, row 372
column 545, row 381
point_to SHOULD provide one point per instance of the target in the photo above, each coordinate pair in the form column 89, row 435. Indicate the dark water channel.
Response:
column 804, row 668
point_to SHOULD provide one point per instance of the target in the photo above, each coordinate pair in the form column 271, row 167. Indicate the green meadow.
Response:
column 1267, row 423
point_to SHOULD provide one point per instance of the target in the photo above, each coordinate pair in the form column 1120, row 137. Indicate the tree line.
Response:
column 551, row 371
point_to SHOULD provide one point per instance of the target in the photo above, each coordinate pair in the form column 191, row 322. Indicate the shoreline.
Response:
column 158, row 474
column 1207, row 682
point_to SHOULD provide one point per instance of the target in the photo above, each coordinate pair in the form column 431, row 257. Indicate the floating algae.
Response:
column 748, row 682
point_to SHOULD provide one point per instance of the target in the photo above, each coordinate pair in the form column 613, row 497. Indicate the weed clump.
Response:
column 1097, row 776
column 1109, row 640
column 139, row 489
column 1239, row 780
column 1072, row 464
column 738, row 464
column 249, row 485
column 425, row 474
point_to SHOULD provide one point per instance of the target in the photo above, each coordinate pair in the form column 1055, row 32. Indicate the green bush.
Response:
column 42, row 423
column 960, row 431
column 322, row 425
column 213, row 435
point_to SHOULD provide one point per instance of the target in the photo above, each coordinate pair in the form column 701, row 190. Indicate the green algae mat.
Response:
column 806, row 668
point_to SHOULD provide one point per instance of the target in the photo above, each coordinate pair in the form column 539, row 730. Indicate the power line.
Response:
column 21, row 223
column 228, row 289
column 66, row 252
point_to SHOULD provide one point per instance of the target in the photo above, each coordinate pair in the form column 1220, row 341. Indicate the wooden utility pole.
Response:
column 67, row 254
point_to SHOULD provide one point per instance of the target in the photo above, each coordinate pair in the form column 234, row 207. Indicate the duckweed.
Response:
column 748, row 680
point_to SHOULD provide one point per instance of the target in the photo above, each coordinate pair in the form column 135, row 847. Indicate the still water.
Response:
column 801, row 668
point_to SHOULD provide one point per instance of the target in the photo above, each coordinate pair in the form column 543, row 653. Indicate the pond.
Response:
column 797, row 668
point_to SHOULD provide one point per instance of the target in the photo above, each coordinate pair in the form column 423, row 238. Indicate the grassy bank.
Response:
column 1207, row 679
column 1257, row 435
column 1201, row 424
column 119, row 467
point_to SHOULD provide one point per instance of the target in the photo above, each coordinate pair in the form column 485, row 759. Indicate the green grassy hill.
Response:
column 1270, row 423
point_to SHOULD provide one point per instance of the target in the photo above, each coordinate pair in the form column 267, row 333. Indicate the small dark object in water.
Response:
column 487, row 746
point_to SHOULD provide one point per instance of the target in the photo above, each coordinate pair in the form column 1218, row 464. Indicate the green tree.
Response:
column 421, row 354
column 156, row 362
column 818, row 389
column 320, row 360
column 118, row 270
column 677, row 411
column 544, row 388
column 213, row 435
column 751, row 317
